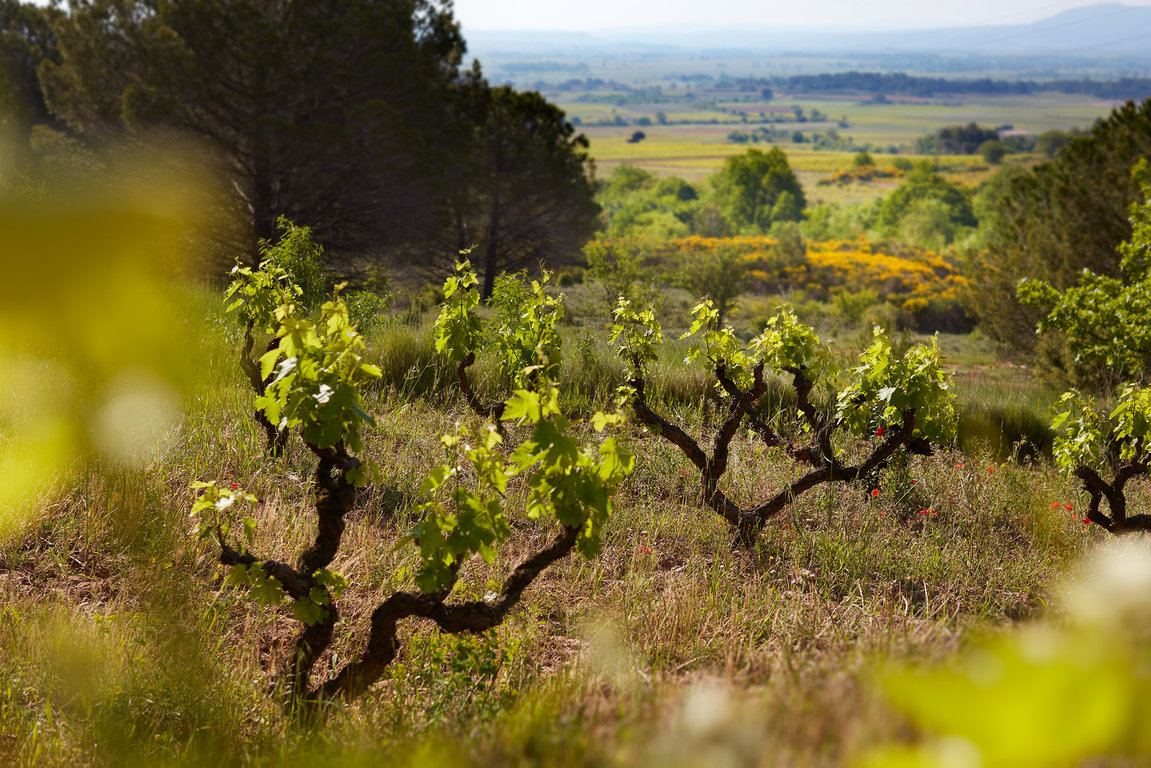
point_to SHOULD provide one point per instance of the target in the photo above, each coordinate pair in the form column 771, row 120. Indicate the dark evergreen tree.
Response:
column 528, row 194
column 26, row 39
column 334, row 113
column 1067, row 215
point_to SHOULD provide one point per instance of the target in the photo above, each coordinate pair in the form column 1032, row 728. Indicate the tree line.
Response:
column 886, row 83
column 354, row 117
column 902, row 84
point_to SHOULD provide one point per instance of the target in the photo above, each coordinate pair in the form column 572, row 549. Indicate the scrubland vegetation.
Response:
column 535, row 468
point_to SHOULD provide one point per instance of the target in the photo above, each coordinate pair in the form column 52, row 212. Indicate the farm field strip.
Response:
column 669, row 151
column 909, row 118
column 696, row 149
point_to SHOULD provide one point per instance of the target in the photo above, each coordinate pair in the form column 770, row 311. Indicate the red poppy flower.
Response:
column 874, row 492
column 1068, row 507
column 879, row 432
column 234, row 486
column 645, row 550
column 991, row 469
column 959, row 465
column 1055, row 505
column 1086, row 521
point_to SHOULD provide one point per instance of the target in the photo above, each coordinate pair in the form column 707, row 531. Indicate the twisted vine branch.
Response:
column 1098, row 488
column 826, row 465
column 334, row 499
column 493, row 411
column 453, row 618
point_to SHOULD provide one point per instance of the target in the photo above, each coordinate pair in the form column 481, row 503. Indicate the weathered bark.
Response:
column 293, row 584
column 475, row 616
column 334, row 499
column 1098, row 488
column 832, row 470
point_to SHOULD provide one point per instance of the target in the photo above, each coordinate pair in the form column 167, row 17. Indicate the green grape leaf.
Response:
column 524, row 406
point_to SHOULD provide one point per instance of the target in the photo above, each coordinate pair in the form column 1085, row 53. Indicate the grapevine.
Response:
column 312, row 380
column 905, row 401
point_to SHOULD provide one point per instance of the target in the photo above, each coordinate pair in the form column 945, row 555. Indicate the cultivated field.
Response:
column 696, row 149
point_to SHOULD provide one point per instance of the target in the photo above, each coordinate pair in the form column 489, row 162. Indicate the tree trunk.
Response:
column 261, row 203
column 492, row 250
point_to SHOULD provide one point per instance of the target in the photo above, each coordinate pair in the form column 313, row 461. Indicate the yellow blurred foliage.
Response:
column 95, row 337
column 1070, row 690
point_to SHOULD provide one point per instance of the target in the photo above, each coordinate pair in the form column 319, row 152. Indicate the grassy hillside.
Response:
column 121, row 645
column 122, row 642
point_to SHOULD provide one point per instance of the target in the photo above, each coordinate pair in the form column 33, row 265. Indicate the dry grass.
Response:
column 120, row 646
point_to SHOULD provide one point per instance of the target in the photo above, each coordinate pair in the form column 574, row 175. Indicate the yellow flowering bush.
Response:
column 923, row 286
column 861, row 174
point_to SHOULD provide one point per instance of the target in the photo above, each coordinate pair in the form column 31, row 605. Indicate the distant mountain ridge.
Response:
column 1098, row 30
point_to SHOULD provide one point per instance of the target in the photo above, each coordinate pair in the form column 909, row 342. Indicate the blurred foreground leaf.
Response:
column 94, row 343
column 1047, row 694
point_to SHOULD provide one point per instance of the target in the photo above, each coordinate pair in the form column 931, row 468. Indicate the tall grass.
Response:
column 1008, row 422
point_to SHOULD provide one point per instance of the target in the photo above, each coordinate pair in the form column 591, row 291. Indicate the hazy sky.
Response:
column 599, row 14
